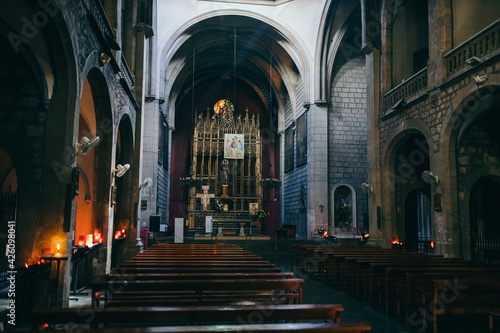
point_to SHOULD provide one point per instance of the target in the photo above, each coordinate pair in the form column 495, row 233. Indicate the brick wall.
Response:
column 347, row 145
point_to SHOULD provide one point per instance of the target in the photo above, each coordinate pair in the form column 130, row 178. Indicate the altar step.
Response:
column 231, row 237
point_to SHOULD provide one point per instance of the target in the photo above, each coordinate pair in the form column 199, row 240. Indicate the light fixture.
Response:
column 105, row 59
column 86, row 145
column 429, row 177
column 473, row 61
column 367, row 188
column 120, row 170
column 146, row 183
column 479, row 79
column 398, row 104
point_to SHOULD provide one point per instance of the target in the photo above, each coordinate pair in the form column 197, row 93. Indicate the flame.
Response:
column 367, row 235
column 432, row 243
column 395, row 242
column 26, row 264
column 325, row 233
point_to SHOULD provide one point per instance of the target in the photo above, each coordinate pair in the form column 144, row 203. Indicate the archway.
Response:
column 412, row 195
column 121, row 197
column 85, row 219
column 485, row 220
column 418, row 228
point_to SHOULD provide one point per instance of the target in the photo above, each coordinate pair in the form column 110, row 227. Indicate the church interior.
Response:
column 352, row 143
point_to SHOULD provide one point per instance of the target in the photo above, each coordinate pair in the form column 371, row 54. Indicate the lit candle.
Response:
column 58, row 247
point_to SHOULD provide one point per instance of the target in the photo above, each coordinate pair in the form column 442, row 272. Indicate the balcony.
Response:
column 482, row 45
column 407, row 90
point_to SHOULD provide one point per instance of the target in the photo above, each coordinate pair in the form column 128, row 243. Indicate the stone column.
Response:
column 373, row 146
column 317, row 168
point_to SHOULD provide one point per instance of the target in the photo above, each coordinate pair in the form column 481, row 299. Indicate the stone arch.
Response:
column 389, row 156
column 469, row 107
column 294, row 47
column 331, row 39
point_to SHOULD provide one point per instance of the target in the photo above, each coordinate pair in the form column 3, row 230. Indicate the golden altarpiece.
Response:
column 226, row 165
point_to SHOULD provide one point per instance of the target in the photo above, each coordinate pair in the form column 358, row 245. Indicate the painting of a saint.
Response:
column 234, row 146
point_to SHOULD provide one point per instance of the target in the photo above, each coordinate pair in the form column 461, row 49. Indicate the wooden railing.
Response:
column 480, row 45
column 407, row 89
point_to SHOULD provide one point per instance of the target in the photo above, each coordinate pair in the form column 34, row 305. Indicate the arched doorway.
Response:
column 85, row 219
column 485, row 220
column 418, row 229
column 122, row 192
column 412, row 195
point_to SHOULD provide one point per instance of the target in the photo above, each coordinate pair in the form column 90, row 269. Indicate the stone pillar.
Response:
column 373, row 146
column 317, row 169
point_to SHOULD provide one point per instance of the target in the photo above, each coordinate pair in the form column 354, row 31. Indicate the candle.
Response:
column 58, row 247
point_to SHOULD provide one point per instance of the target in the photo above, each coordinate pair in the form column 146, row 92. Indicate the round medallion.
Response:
column 224, row 109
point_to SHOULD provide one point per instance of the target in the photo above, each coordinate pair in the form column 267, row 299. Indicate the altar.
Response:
column 232, row 227
column 225, row 172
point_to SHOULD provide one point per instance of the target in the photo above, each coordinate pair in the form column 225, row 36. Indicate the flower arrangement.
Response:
column 270, row 182
column 219, row 205
column 261, row 215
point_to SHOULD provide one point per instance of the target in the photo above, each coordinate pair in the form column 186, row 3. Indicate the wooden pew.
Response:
column 185, row 315
column 197, row 258
column 264, row 328
column 195, row 269
column 465, row 296
column 196, row 276
column 196, row 291
column 196, row 264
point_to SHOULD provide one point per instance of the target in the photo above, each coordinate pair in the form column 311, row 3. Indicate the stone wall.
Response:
column 347, row 150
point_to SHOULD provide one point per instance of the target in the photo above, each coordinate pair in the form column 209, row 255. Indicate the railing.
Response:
column 125, row 73
column 96, row 10
column 480, row 45
column 409, row 88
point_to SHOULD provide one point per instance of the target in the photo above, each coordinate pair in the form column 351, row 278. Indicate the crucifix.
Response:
column 205, row 196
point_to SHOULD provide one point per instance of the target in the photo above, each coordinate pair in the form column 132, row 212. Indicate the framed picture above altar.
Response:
column 234, row 146
column 254, row 207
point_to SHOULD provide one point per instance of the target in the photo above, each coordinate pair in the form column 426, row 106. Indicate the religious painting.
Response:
column 234, row 146
column 302, row 140
column 289, row 149
column 224, row 109
column 254, row 207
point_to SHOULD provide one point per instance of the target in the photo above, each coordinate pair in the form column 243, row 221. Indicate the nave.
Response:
column 280, row 253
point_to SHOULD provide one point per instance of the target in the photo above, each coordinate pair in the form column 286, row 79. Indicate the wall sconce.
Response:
column 105, row 59
column 429, row 177
column 120, row 170
column 146, row 183
column 479, row 79
column 86, row 145
column 321, row 207
column 473, row 61
column 367, row 188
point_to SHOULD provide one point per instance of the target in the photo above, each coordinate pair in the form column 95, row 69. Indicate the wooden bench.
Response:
column 196, row 276
column 418, row 280
column 465, row 296
column 196, row 291
column 195, row 269
column 94, row 317
column 264, row 328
